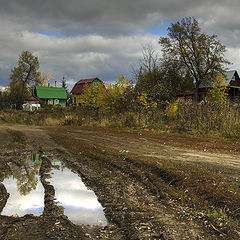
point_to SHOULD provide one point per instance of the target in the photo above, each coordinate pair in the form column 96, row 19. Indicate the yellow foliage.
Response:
column 146, row 102
column 171, row 109
column 218, row 95
column 89, row 97
column 114, row 96
column 108, row 97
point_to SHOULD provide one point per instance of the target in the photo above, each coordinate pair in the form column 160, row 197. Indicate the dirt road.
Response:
column 131, row 198
column 151, row 145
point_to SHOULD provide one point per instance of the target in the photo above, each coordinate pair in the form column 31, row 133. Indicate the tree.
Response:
column 218, row 95
column 23, row 77
column 44, row 78
column 64, row 84
column 176, row 77
column 147, row 73
column 4, row 96
column 154, row 78
column 115, row 97
column 199, row 54
column 88, row 98
column 108, row 98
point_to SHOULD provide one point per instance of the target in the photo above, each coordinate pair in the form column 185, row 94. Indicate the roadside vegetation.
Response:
column 205, row 118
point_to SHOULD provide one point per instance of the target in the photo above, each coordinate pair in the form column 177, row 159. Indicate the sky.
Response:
column 103, row 38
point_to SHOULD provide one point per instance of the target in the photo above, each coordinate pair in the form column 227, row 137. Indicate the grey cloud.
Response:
column 75, row 58
column 109, row 16
column 106, row 35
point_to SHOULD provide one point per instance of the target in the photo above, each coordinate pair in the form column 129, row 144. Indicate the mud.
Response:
column 130, row 196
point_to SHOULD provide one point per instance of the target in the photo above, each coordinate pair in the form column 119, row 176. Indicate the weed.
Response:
column 220, row 218
column 87, row 159
column 123, row 153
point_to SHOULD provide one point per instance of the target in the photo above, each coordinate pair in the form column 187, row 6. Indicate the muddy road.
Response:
column 129, row 195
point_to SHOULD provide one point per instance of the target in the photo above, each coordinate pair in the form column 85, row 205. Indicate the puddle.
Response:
column 26, row 193
column 80, row 204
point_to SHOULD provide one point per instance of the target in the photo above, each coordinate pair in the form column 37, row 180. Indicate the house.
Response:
column 32, row 100
column 51, row 95
column 185, row 95
column 79, row 88
column 233, row 85
column 31, row 104
column 232, row 81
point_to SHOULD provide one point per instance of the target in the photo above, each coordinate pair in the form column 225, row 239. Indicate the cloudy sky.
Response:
column 103, row 38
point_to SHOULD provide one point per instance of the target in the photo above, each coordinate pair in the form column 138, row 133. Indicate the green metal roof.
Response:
column 51, row 92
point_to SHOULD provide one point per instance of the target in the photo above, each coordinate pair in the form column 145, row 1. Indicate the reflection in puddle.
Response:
column 25, row 189
column 26, row 193
column 80, row 204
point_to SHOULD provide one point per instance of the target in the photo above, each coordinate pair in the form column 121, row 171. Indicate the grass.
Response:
column 200, row 119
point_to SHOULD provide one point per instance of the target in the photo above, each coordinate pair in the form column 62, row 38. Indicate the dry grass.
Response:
column 191, row 118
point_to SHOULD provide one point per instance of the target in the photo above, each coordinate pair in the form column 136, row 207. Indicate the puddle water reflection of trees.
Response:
column 26, row 176
column 26, row 192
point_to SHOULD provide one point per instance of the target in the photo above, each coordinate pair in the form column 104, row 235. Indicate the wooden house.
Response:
column 185, row 95
column 233, row 86
column 51, row 95
column 32, row 100
column 79, row 88
column 232, row 81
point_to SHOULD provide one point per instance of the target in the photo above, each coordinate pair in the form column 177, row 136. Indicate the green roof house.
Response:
column 51, row 95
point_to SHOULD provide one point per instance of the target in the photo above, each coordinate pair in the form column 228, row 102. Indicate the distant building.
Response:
column 31, row 104
column 185, row 95
column 233, row 86
column 51, row 95
column 30, row 107
column 79, row 87
column 32, row 100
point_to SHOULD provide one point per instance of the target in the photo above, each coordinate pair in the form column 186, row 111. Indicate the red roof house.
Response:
column 79, row 86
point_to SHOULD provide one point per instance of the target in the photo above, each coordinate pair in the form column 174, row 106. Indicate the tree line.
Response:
column 189, row 58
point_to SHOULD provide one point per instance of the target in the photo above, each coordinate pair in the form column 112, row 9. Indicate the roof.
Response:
column 229, row 75
column 78, row 87
column 32, row 99
column 185, row 93
column 51, row 92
